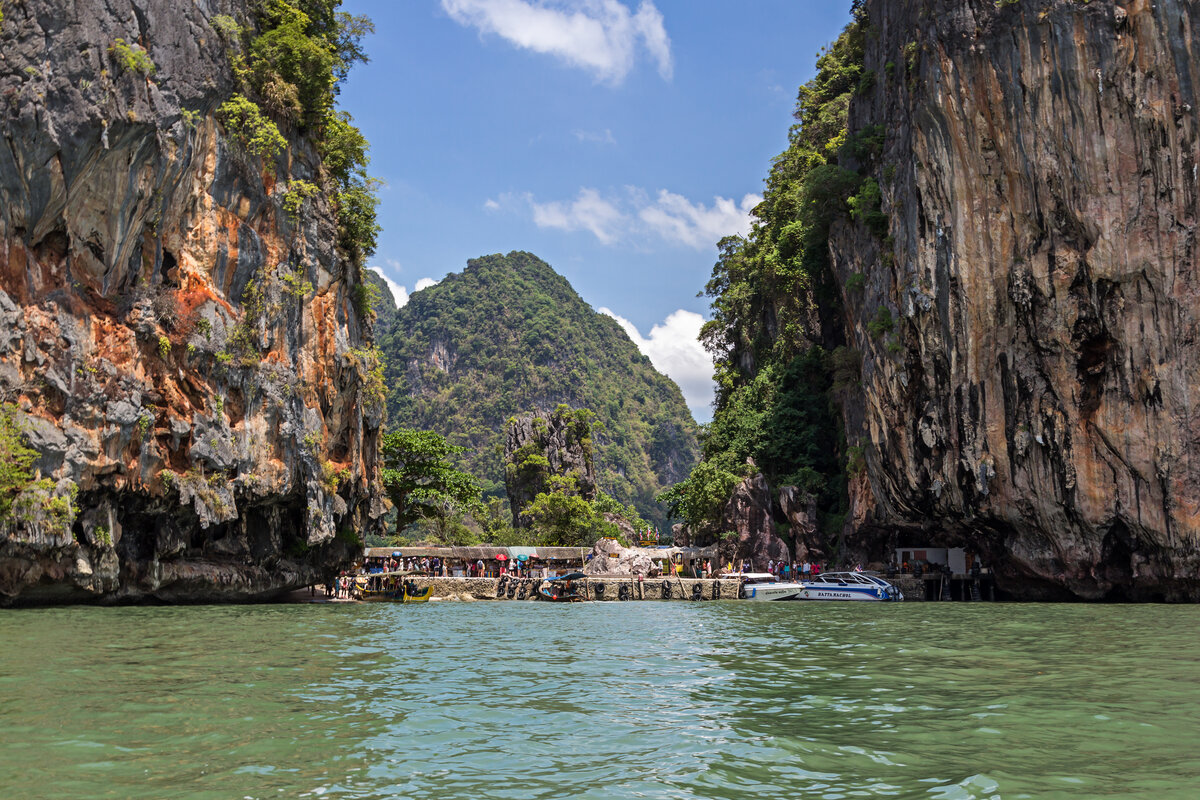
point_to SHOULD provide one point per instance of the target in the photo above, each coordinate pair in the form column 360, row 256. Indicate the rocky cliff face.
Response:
column 1037, row 398
column 184, row 353
column 539, row 446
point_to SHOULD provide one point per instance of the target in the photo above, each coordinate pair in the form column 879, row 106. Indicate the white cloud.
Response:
column 674, row 349
column 633, row 218
column 674, row 218
column 597, row 137
column 398, row 292
column 491, row 205
column 600, row 36
column 425, row 283
column 588, row 211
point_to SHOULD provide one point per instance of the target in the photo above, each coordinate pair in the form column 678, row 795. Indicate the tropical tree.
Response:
column 421, row 479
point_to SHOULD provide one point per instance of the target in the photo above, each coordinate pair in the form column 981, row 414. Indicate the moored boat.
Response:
column 562, row 589
column 848, row 586
column 389, row 587
column 765, row 586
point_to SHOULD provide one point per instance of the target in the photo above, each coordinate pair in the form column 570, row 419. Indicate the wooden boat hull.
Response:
column 421, row 595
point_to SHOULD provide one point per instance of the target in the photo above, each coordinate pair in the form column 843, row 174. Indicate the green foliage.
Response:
column 607, row 504
column 131, row 58
column 365, row 297
column 855, row 283
column 449, row 530
column 700, row 499
column 846, row 367
column 333, row 476
column 164, row 347
column 866, row 82
column 911, row 51
column 26, row 499
column 102, row 535
column 866, row 145
column 357, row 226
column 292, row 60
column 865, row 206
column 227, row 27
column 800, row 446
column 218, row 406
column 189, row 117
column 251, row 128
column 856, row 460
column 303, row 50
column 343, row 148
column 295, row 284
column 881, row 323
column 144, row 423
column 293, row 199
column 420, row 478
column 560, row 517
column 368, row 361
column 16, row 461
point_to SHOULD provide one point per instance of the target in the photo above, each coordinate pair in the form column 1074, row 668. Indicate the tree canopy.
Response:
column 420, row 477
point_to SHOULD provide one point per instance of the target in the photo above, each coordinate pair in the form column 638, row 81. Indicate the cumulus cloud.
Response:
column 675, row 218
column 634, row 218
column 399, row 293
column 588, row 211
column 674, row 349
column 425, row 283
column 599, row 36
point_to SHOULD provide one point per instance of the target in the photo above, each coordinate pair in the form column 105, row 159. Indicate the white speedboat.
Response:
column 765, row 586
column 847, row 586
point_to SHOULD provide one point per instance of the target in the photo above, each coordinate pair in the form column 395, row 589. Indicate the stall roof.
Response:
column 562, row 553
column 482, row 552
column 478, row 552
column 422, row 551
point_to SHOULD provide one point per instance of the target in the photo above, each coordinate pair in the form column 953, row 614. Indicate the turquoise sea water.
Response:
column 602, row 700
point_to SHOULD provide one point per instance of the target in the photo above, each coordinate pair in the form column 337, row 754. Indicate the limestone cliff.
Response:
column 539, row 446
column 1036, row 400
column 184, row 352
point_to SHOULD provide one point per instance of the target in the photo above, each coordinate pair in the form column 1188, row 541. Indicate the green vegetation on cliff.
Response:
column 290, row 57
column 509, row 335
column 773, row 332
column 28, row 500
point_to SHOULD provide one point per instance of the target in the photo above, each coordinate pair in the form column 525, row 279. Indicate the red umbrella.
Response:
column 502, row 557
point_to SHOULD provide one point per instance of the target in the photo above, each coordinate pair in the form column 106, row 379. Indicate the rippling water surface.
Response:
column 603, row 700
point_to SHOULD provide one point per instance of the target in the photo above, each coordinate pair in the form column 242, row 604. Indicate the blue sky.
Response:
column 616, row 139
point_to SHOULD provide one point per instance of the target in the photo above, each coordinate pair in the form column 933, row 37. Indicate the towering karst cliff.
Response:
column 1039, row 180
column 184, row 352
column 980, row 248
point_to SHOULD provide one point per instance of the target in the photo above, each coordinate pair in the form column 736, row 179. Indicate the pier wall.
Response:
column 594, row 588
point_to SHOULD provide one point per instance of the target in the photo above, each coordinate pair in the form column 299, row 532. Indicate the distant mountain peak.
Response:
column 509, row 335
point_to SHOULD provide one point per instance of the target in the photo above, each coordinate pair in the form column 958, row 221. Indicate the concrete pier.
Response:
column 602, row 587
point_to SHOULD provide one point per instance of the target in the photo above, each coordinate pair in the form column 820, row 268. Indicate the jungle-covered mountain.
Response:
column 508, row 335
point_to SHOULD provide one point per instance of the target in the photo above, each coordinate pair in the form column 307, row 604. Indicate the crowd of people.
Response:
column 440, row 568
